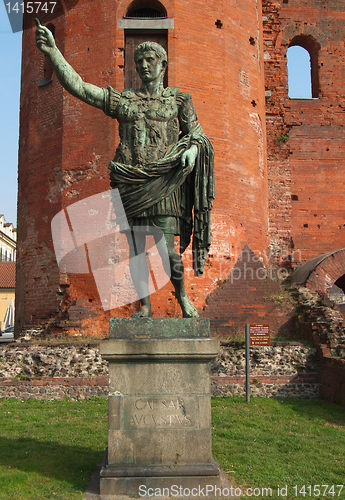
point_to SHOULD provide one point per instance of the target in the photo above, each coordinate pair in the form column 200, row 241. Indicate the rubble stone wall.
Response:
column 79, row 372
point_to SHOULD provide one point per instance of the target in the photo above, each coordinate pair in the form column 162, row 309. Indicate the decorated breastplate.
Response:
column 147, row 125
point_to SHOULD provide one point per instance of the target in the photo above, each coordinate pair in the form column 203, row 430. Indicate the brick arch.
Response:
column 124, row 5
column 321, row 273
column 294, row 30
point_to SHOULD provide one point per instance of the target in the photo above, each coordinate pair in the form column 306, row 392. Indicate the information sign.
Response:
column 260, row 335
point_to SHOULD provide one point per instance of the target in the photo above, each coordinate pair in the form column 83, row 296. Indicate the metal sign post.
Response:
column 258, row 335
column 247, row 362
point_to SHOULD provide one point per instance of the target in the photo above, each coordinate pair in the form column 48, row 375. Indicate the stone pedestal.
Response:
column 159, row 405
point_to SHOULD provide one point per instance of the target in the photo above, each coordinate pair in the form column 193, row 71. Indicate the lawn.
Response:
column 293, row 444
column 49, row 449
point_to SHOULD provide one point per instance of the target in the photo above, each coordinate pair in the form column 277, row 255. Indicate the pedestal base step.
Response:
column 162, row 488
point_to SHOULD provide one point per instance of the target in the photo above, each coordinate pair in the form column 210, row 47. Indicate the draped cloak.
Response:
column 144, row 185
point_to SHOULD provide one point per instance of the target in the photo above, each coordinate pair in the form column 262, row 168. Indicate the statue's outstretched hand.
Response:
column 188, row 159
column 44, row 38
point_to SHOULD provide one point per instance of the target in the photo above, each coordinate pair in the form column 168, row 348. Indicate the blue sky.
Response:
column 299, row 72
column 10, row 57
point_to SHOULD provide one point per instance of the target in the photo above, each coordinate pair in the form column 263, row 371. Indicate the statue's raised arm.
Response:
column 67, row 76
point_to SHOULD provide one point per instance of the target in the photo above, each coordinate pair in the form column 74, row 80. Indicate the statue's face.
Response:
column 149, row 66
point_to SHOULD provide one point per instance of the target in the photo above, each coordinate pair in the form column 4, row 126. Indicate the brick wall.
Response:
column 65, row 146
column 306, row 184
column 332, row 380
column 251, row 293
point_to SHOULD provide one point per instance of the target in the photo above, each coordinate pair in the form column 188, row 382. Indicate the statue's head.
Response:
column 151, row 61
column 155, row 47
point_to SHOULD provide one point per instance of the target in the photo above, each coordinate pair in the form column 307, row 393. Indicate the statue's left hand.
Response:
column 188, row 159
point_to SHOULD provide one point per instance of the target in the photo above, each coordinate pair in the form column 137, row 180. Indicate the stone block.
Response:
column 159, row 404
column 158, row 328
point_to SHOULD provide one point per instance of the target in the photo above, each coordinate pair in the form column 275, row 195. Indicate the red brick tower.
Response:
column 215, row 52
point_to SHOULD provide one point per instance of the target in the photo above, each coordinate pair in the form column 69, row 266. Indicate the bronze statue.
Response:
column 163, row 166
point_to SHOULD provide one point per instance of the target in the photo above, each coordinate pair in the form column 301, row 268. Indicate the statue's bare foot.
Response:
column 188, row 310
column 144, row 312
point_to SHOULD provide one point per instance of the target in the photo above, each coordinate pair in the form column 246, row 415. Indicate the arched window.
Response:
column 146, row 10
column 299, row 72
column 303, row 68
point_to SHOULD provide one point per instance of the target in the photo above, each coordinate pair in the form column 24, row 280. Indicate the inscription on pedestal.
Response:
column 155, row 412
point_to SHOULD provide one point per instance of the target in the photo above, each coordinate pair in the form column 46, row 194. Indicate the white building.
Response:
column 8, row 238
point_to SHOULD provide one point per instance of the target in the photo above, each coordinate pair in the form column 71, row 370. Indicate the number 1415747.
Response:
column 318, row 490
column 30, row 7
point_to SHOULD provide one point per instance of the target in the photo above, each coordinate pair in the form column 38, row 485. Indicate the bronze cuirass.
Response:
column 147, row 126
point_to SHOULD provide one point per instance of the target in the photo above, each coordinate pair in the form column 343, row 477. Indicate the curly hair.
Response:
column 155, row 47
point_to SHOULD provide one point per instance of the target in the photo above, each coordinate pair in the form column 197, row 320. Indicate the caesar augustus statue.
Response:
column 163, row 166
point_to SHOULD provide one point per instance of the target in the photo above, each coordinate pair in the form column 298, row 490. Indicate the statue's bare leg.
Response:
column 177, row 278
column 139, row 273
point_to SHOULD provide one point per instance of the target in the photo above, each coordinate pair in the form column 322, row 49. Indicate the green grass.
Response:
column 48, row 450
column 277, row 442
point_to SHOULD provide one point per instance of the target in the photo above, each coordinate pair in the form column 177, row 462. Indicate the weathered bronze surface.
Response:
column 163, row 165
